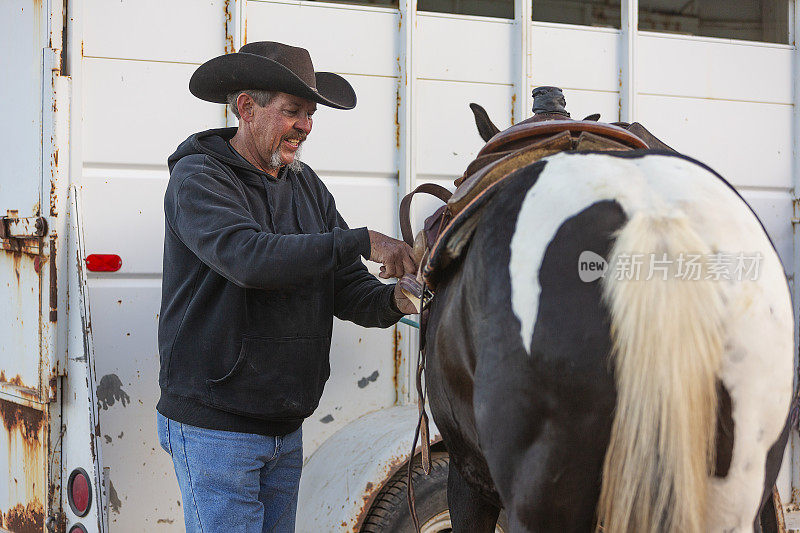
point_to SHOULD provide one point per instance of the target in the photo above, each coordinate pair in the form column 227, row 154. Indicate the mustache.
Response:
column 295, row 137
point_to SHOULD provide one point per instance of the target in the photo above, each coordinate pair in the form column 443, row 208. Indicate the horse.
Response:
column 579, row 396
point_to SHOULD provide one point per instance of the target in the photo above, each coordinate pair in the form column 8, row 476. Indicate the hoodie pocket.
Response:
column 274, row 378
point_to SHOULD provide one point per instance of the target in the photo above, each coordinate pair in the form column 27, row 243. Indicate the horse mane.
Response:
column 667, row 338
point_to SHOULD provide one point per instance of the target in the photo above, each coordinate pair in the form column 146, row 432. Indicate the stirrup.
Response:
column 412, row 289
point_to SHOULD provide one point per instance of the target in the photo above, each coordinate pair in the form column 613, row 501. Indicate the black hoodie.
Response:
column 247, row 305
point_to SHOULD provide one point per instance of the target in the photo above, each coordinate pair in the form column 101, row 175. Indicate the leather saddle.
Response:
column 447, row 232
column 530, row 141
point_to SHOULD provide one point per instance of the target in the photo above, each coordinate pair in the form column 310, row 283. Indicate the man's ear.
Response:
column 246, row 107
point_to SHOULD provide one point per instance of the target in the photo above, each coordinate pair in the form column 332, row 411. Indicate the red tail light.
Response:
column 79, row 492
column 103, row 262
column 78, row 528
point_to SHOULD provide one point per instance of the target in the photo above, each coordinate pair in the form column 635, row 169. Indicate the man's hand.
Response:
column 403, row 303
column 393, row 254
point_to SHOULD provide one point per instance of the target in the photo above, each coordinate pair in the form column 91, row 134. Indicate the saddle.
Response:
column 448, row 230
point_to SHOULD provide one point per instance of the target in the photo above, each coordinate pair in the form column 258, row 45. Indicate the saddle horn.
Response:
column 549, row 100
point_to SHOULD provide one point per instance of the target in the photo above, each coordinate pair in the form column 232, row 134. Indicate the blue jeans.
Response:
column 237, row 482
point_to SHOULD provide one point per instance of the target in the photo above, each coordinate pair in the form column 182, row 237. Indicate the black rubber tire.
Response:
column 389, row 512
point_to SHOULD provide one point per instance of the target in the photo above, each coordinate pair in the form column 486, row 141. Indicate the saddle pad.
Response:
column 591, row 142
column 480, row 162
column 456, row 235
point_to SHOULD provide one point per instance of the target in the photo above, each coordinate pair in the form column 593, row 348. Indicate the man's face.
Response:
column 281, row 126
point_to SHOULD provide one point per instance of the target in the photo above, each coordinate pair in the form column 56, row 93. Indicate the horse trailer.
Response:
column 95, row 98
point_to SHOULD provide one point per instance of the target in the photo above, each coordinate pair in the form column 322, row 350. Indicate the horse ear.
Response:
column 486, row 128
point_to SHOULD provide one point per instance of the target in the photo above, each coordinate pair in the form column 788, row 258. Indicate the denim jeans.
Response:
column 237, row 482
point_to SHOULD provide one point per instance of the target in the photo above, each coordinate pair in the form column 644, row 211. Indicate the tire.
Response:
column 389, row 512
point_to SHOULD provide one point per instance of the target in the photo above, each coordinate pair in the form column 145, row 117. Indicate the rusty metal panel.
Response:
column 19, row 323
column 24, row 37
column 54, row 279
column 28, row 263
column 23, row 494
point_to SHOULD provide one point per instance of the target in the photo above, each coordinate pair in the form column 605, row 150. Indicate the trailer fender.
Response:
column 344, row 475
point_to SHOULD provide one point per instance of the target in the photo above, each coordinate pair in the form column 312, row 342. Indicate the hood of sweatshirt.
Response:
column 216, row 143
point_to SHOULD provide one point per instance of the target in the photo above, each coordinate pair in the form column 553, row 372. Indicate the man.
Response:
column 257, row 261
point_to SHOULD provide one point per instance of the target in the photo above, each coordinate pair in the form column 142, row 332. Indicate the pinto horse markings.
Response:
column 523, row 385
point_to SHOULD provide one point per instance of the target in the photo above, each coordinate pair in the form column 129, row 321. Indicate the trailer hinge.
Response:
column 22, row 234
column 22, row 228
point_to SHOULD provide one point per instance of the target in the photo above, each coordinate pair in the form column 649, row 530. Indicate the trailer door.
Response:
column 28, row 314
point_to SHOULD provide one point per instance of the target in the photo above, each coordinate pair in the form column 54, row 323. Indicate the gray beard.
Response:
column 296, row 165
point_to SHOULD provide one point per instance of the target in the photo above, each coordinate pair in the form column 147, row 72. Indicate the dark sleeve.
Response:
column 207, row 212
column 359, row 296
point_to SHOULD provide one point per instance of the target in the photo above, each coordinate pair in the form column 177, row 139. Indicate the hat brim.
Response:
column 215, row 79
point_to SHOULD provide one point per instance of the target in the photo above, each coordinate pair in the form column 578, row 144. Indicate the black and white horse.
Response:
column 646, row 401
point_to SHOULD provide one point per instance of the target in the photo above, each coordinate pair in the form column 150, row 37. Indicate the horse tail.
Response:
column 667, row 340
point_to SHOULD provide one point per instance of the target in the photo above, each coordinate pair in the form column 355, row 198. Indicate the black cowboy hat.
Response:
column 270, row 66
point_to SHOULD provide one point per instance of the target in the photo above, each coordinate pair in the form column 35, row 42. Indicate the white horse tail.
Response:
column 667, row 339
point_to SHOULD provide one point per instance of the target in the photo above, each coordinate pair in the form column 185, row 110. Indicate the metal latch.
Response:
column 22, row 228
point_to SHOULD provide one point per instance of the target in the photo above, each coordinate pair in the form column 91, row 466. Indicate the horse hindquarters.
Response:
column 541, row 389
column 677, row 341
column 540, row 420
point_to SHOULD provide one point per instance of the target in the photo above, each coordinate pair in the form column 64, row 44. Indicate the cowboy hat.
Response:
column 270, row 66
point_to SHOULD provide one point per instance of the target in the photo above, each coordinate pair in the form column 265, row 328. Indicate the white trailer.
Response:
column 94, row 97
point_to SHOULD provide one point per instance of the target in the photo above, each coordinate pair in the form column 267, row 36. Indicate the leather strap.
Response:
column 422, row 431
column 405, row 207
